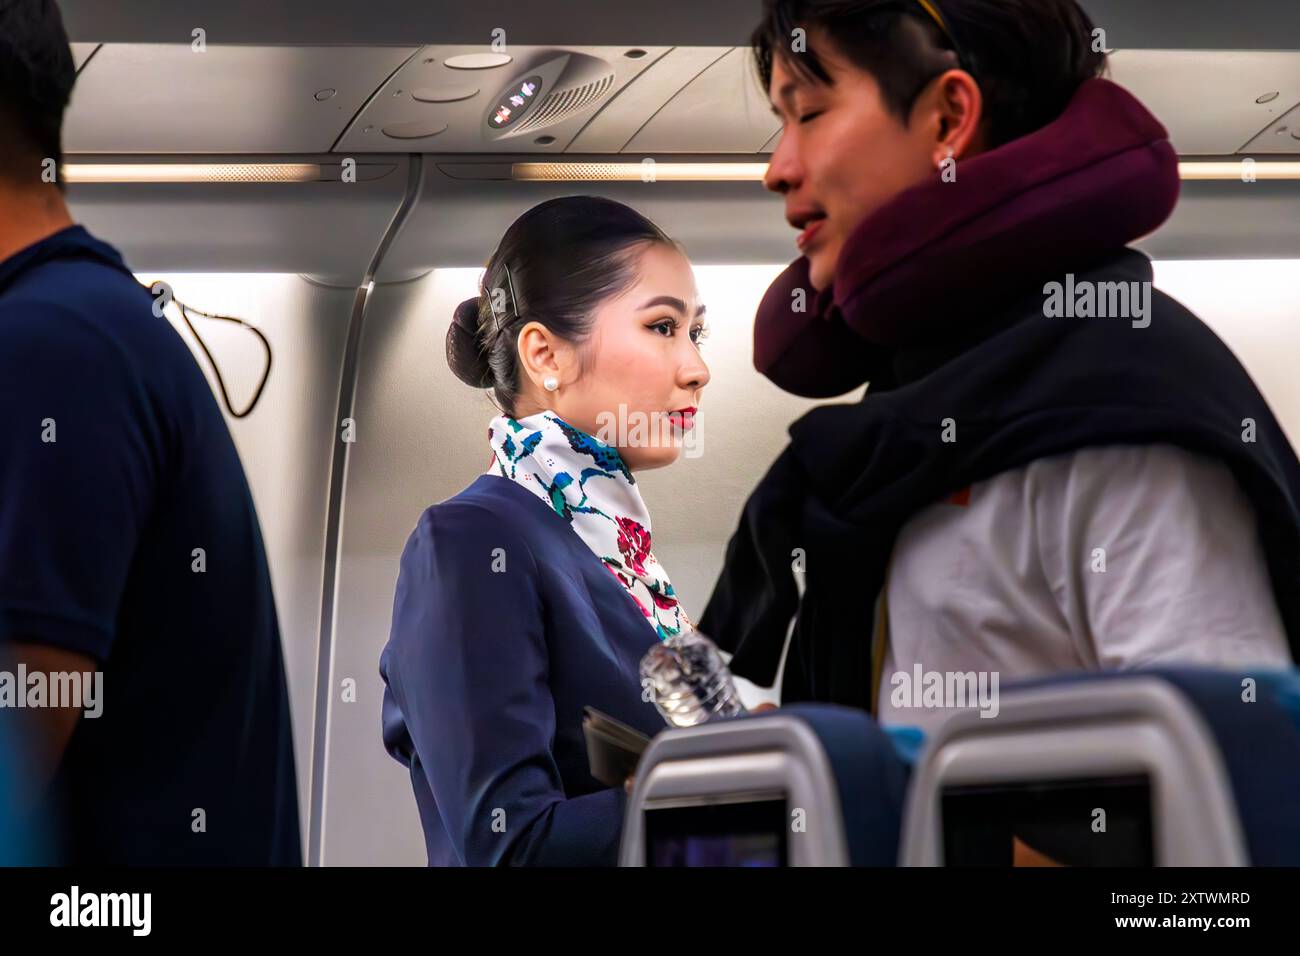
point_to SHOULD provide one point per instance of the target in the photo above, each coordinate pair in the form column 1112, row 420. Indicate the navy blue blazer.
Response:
column 492, row 656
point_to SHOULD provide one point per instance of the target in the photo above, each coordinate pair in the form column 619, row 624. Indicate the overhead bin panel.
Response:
column 1280, row 136
column 615, row 125
column 135, row 98
column 1211, row 101
column 468, row 99
column 723, row 110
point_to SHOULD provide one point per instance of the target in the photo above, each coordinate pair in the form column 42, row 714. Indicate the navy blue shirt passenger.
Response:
column 132, row 566
column 128, row 539
column 534, row 592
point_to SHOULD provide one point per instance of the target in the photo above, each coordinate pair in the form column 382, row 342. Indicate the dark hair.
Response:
column 37, row 73
column 555, row 264
column 1028, row 56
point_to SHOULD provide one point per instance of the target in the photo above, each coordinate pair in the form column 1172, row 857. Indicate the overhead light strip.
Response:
column 1239, row 170
column 192, row 172
column 648, row 170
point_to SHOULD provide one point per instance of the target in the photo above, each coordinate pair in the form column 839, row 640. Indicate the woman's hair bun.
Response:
column 464, row 353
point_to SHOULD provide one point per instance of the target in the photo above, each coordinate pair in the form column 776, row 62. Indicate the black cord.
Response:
column 221, row 382
column 216, row 371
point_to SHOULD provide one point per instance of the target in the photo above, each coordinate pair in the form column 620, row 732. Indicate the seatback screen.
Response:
column 752, row 833
column 1076, row 822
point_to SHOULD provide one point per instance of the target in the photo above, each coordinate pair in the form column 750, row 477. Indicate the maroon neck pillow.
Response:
column 1100, row 176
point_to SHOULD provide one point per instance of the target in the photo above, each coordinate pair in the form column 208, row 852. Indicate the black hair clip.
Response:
column 514, row 306
column 514, row 303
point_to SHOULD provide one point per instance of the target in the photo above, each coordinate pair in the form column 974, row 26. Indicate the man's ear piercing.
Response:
column 550, row 383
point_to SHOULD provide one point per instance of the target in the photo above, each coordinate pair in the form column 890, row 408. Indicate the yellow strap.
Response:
column 931, row 9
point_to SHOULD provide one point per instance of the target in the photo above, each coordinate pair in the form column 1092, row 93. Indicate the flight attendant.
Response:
column 534, row 592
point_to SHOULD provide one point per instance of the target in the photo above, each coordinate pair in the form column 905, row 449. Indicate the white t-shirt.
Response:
column 1109, row 557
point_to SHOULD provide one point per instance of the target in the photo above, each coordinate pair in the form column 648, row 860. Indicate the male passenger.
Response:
column 1029, row 486
column 128, row 540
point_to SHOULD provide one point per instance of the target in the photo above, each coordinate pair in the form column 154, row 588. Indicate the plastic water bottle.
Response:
column 691, row 681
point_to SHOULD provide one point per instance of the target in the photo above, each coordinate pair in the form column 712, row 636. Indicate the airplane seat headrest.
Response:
column 871, row 776
column 1254, row 719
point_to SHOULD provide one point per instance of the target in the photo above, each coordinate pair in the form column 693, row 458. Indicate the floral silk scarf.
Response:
column 587, row 483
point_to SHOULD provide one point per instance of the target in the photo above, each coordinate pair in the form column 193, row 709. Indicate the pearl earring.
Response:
column 550, row 383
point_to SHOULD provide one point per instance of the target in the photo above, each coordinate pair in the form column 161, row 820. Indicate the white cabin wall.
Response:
column 1252, row 305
